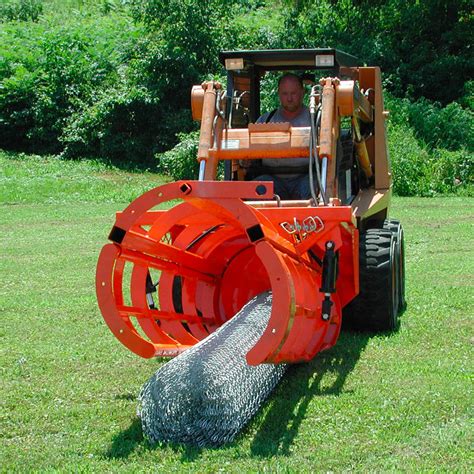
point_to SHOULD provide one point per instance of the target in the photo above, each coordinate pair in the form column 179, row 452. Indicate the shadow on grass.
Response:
column 126, row 441
column 301, row 384
column 126, row 396
column 288, row 405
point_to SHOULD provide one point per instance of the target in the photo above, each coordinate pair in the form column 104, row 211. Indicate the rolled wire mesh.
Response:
column 206, row 395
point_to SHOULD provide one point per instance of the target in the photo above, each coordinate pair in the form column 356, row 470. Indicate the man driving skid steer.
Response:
column 290, row 176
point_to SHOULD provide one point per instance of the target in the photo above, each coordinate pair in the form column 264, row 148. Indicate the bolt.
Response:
column 185, row 188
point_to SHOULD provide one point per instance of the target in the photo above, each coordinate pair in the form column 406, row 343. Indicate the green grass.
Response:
column 68, row 388
column 49, row 179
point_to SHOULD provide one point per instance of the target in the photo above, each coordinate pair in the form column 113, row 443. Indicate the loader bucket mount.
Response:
column 216, row 250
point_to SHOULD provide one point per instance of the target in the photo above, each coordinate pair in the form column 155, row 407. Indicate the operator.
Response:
column 289, row 175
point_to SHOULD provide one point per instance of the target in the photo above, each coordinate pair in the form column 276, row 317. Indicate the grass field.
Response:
column 68, row 388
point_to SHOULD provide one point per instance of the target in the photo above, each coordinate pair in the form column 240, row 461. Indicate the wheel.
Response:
column 376, row 306
column 396, row 228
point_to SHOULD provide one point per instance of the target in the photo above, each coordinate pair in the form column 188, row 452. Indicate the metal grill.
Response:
column 206, row 395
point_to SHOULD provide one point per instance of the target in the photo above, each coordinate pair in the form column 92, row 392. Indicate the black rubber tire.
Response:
column 396, row 228
column 375, row 308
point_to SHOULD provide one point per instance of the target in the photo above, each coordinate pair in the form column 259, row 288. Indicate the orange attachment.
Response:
column 171, row 277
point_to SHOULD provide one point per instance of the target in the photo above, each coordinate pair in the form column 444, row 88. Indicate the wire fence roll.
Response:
column 206, row 395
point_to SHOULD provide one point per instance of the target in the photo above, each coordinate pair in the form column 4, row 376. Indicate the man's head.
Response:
column 291, row 93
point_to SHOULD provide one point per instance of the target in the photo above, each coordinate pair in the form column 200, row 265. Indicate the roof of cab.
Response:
column 281, row 59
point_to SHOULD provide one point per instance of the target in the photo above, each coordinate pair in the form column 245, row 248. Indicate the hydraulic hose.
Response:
column 315, row 113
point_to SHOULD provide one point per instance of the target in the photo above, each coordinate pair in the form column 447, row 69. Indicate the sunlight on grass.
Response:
column 39, row 179
column 68, row 394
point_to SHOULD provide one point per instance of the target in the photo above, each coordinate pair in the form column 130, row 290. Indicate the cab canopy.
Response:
column 245, row 69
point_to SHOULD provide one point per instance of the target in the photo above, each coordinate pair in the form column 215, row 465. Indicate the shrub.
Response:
column 452, row 171
column 17, row 93
column 105, row 86
column 410, row 162
column 112, row 79
column 51, row 70
column 418, row 171
column 423, row 47
column 21, row 10
column 467, row 100
column 181, row 161
column 450, row 127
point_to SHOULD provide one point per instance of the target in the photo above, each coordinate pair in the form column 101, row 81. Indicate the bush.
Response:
column 467, row 100
column 422, row 47
column 410, row 163
column 17, row 93
column 450, row 127
column 49, row 71
column 21, row 10
column 112, row 79
column 181, row 161
column 431, row 147
column 417, row 171
column 104, row 85
column 120, row 126
column 452, row 171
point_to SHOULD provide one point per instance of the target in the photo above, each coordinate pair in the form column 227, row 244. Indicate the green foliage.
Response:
column 49, row 71
column 419, row 171
column 431, row 147
column 111, row 79
column 17, row 93
column 269, row 91
column 409, row 163
column 21, row 10
column 428, row 53
column 423, row 48
column 121, row 125
column 450, row 127
column 452, row 171
column 105, row 86
column 467, row 100
column 181, row 161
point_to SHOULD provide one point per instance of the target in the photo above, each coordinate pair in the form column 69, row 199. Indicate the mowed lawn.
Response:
column 68, row 388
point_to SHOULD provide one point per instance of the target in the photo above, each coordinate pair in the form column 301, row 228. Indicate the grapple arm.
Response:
column 207, row 276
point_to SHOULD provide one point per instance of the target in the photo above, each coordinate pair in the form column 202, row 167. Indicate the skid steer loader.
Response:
column 171, row 277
